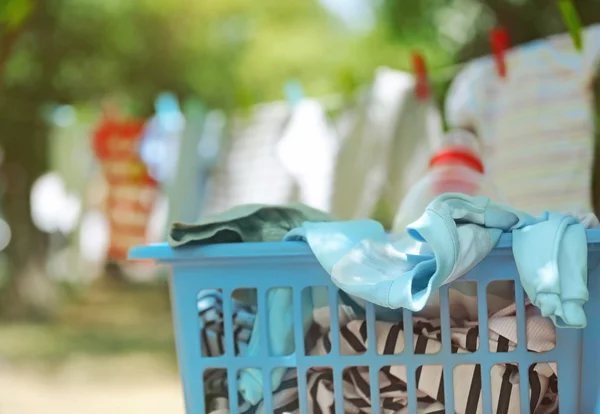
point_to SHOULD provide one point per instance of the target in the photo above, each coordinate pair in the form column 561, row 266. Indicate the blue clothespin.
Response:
column 294, row 92
column 168, row 112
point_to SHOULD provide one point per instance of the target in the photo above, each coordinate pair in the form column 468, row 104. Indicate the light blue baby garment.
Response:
column 280, row 336
column 459, row 232
column 552, row 260
column 333, row 242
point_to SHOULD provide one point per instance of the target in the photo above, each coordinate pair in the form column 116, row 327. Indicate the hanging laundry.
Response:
column 307, row 149
column 161, row 150
column 276, row 155
column 456, row 167
column 537, row 124
column 161, row 141
column 387, row 148
column 249, row 170
column 208, row 151
column 457, row 232
column 70, row 155
column 131, row 190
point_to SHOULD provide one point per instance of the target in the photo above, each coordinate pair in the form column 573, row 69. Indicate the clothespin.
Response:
column 294, row 92
column 573, row 22
column 166, row 102
column 499, row 41
column 420, row 70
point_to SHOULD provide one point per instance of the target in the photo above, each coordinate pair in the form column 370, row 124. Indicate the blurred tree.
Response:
column 524, row 20
column 23, row 138
column 13, row 15
column 228, row 52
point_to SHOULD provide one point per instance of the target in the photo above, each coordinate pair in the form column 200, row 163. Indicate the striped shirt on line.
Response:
column 537, row 125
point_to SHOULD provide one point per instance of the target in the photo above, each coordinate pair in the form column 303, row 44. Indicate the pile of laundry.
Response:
column 455, row 233
column 392, row 379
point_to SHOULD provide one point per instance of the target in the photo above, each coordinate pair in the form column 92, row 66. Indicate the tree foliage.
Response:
column 229, row 53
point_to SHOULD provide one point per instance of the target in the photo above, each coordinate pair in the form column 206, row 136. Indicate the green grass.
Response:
column 55, row 343
column 102, row 322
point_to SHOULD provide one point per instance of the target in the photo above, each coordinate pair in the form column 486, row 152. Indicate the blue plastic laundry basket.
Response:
column 261, row 265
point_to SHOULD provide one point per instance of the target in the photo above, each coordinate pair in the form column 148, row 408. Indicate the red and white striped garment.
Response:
column 537, row 124
column 131, row 191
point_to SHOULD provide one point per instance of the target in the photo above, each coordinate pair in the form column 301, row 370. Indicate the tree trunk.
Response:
column 25, row 160
column 24, row 141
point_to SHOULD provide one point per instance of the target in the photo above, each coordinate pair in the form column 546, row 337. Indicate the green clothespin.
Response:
column 571, row 18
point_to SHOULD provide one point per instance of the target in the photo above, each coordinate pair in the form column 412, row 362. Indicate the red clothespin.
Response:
column 499, row 41
column 420, row 70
